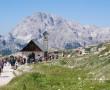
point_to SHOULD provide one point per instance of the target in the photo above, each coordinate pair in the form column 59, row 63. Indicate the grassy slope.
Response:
column 84, row 73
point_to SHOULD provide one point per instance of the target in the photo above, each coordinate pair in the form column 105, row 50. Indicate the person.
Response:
column 53, row 56
column 50, row 57
column 1, row 66
column 33, row 57
column 4, row 61
column 12, row 62
column 24, row 60
column 57, row 56
column 40, row 58
column 28, row 60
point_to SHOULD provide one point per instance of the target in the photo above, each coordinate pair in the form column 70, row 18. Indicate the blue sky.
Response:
column 84, row 11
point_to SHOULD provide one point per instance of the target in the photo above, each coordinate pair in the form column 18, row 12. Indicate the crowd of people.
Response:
column 13, row 61
column 34, row 59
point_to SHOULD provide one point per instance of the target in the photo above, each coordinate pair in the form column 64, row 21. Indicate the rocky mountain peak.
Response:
column 62, row 33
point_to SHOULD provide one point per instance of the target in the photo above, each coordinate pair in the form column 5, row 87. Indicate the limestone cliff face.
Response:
column 62, row 33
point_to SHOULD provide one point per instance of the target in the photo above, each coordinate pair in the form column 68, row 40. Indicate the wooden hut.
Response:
column 33, row 47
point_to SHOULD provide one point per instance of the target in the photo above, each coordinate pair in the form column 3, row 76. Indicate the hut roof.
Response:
column 33, row 45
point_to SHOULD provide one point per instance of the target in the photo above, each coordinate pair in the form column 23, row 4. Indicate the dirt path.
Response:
column 7, row 75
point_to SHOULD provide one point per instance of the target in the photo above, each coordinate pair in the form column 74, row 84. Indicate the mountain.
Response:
column 2, row 41
column 62, row 33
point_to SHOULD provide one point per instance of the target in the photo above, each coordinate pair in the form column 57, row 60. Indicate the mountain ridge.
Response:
column 62, row 33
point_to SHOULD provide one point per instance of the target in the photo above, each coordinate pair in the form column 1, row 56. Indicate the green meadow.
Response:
column 89, row 72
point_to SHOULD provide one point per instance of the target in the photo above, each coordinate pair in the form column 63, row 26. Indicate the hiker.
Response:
column 39, row 58
column 1, row 66
column 57, row 56
column 33, row 57
column 6, row 60
column 28, row 60
column 24, row 60
column 50, row 57
column 53, row 57
column 12, row 62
